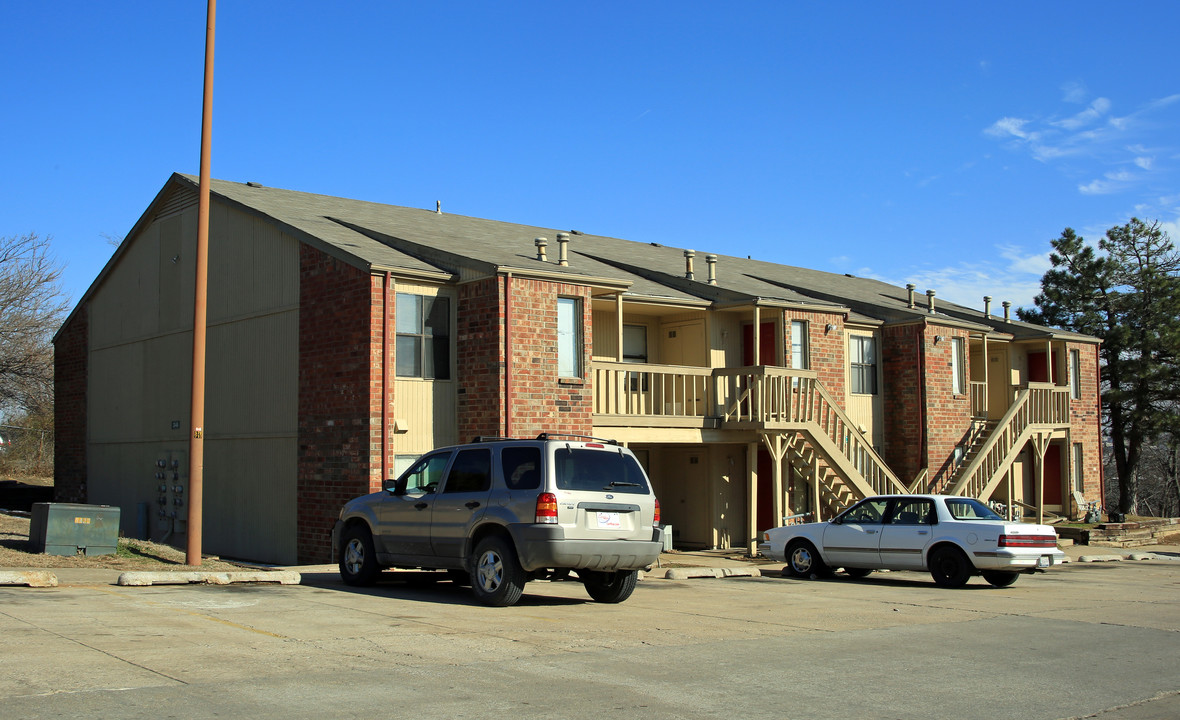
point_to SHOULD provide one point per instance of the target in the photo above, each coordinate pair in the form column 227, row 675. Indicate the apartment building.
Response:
column 345, row 338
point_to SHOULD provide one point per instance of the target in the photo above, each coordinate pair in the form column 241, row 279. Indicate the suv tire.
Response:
column 496, row 576
column 358, row 557
column 609, row 587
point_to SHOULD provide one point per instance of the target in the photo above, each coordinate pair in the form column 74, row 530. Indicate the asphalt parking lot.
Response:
column 1084, row 640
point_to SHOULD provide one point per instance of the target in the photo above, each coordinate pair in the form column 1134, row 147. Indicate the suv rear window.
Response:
column 598, row 471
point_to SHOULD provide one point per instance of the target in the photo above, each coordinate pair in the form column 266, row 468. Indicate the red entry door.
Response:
column 1053, row 475
column 1038, row 368
column 766, row 349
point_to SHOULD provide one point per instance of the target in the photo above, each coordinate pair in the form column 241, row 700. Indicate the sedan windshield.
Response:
column 970, row 509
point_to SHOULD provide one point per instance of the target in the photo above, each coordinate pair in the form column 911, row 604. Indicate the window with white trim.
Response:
column 799, row 354
column 862, row 352
column 569, row 337
column 423, row 343
column 1075, row 375
column 958, row 366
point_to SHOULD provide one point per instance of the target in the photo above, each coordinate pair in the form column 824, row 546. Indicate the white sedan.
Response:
column 952, row 537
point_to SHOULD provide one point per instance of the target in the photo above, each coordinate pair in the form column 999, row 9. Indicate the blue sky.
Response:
column 938, row 143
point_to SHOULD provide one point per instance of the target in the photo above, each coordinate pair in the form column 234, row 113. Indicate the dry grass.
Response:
column 131, row 554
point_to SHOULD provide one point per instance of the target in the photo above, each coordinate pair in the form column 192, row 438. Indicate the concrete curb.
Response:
column 1100, row 558
column 31, row 578
column 143, row 578
column 703, row 572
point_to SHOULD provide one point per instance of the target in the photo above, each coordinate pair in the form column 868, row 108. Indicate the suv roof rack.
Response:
column 489, row 438
column 554, row 436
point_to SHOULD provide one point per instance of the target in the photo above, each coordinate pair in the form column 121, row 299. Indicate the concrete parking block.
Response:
column 704, row 572
column 1100, row 558
column 31, row 578
column 142, row 578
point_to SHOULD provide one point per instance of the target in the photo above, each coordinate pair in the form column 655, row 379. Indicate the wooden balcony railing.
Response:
column 978, row 400
column 644, row 390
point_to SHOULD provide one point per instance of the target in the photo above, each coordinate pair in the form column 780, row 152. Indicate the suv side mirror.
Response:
column 394, row 486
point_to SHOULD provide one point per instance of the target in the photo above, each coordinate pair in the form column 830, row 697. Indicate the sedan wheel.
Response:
column 950, row 568
column 803, row 561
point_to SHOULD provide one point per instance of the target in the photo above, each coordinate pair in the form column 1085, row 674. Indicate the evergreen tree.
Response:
column 1127, row 294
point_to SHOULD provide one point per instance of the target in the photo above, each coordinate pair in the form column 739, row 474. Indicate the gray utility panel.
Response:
column 73, row 529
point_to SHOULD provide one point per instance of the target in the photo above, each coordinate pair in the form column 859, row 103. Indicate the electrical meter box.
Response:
column 73, row 529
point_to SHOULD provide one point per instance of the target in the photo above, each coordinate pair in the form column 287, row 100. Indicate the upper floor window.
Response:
column 423, row 336
column 799, row 345
column 1075, row 375
column 958, row 366
column 862, row 351
column 569, row 337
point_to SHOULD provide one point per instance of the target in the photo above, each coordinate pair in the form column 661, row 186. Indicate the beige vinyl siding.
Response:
column 867, row 411
column 425, row 409
column 140, row 377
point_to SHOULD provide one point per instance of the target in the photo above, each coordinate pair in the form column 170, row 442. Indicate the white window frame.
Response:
column 1075, row 375
column 800, row 347
column 958, row 366
column 569, row 337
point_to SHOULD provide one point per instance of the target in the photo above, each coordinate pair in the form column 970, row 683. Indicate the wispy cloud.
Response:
column 1010, row 126
column 1111, row 144
column 1074, row 92
column 1108, row 183
column 1092, row 114
column 1015, row 276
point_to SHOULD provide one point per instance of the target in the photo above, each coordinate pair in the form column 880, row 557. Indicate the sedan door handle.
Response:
column 421, row 505
column 870, row 532
column 473, row 504
column 923, row 532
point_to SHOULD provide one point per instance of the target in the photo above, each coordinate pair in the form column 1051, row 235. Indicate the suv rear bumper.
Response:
column 546, row 546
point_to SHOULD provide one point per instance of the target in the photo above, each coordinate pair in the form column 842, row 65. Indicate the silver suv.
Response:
column 499, row 512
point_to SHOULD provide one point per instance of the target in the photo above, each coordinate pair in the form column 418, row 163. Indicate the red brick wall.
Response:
column 480, row 358
column 901, row 358
column 826, row 347
column 70, row 373
column 336, row 453
column 948, row 416
column 381, row 394
column 1084, row 421
column 540, row 401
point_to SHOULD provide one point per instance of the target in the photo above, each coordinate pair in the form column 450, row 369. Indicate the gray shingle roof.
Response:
column 381, row 236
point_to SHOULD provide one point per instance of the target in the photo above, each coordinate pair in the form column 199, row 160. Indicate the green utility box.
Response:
column 73, row 529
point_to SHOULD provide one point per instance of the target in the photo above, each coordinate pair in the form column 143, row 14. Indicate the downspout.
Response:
column 508, row 354
column 385, row 378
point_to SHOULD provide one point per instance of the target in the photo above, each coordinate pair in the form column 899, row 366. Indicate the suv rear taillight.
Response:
column 546, row 509
column 656, row 520
column 1028, row 541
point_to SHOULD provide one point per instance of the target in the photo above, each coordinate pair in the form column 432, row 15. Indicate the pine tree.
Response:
column 1127, row 294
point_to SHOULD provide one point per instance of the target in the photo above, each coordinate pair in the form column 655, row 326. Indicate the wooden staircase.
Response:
column 822, row 440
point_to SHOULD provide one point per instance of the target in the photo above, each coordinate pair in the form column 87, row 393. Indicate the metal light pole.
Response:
column 196, row 453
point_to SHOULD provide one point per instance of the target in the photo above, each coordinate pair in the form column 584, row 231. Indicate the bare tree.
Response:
column 32, row 306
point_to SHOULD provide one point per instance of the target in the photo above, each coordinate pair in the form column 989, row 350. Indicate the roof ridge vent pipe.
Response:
column 930, row 301
column 688, row 256
column 563, row 241
column 542, row 244
column 1007, row 311
column 438, row 207
column 909, row 288
column 987, row 306
column 711, row 260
